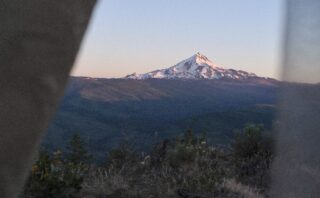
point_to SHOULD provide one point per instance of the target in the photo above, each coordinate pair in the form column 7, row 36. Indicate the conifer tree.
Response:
column 77, row 152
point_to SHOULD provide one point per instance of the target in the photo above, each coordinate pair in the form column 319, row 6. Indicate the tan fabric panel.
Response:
column 39, row 40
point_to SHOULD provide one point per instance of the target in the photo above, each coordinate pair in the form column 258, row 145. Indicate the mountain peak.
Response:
column 197, row 66
column 201, row 59
column 199, row 55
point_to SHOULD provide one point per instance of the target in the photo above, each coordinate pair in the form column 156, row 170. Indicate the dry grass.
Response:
column 104, row 182
column 243, row 190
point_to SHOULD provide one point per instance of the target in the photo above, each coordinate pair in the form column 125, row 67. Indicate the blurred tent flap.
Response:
column 301, row 61
column 39, row 41
column 296, row 169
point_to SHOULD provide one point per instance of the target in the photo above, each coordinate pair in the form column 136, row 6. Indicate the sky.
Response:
column 127, row 36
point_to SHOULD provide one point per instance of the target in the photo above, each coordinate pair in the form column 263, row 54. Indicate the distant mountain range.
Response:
column 145, row 108
column 197, row 66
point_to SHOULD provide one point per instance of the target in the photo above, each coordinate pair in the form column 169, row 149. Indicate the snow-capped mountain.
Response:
column 197, row 66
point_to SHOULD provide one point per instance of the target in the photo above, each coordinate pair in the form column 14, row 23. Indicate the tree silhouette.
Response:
column 77, row 152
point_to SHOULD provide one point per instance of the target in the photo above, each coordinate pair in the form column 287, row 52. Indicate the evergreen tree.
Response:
column 77, row 152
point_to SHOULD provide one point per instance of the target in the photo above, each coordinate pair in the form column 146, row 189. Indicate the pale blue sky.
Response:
column 128, row 36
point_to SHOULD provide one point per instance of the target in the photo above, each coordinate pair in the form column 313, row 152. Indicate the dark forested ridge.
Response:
column 107, row 111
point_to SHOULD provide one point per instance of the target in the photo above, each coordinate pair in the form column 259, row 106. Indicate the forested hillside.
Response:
column 106, row 112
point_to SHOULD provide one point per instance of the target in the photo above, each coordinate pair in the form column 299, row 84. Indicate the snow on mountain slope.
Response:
column 196, row 67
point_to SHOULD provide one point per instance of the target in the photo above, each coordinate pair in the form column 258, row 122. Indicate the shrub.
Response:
column 253, row 154
column 56, row 176
column 122, row 157
column 51, row 178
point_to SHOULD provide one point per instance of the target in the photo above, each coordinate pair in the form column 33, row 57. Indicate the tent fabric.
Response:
column 296, row 169
column 39, row 41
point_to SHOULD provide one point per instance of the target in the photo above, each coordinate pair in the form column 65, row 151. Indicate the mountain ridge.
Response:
column 197, row 66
